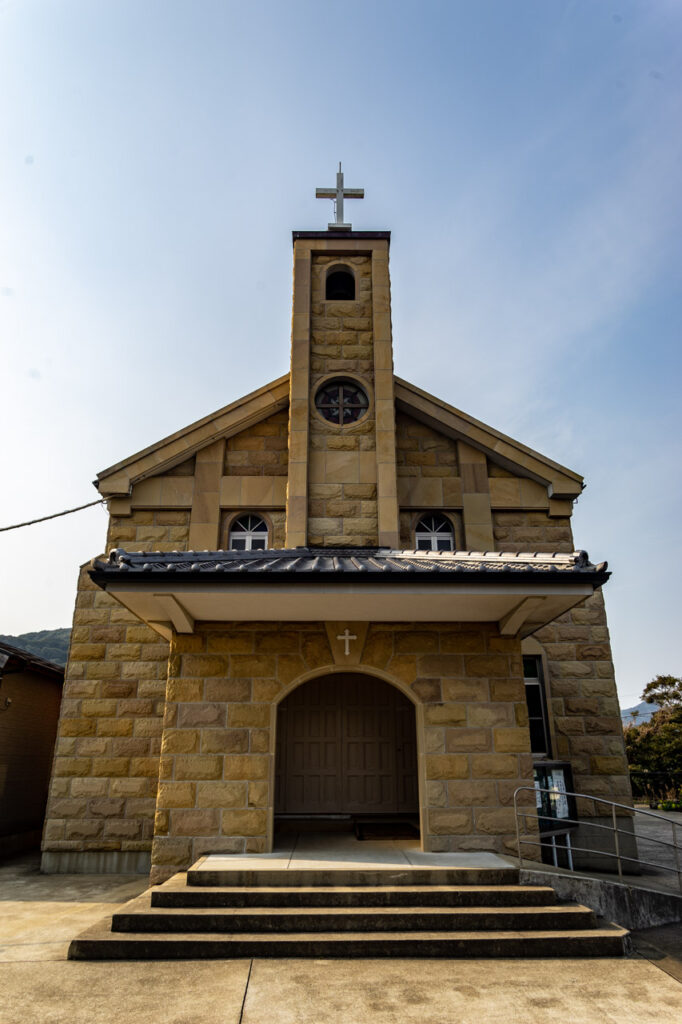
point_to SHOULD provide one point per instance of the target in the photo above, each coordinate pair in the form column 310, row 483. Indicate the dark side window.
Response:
column 536, row 699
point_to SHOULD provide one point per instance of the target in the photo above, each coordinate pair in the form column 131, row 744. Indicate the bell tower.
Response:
column 342, row 486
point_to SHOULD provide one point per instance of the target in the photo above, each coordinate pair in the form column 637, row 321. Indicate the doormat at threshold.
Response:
column 386, row 830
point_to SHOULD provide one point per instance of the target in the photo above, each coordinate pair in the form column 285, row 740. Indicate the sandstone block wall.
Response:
column 342, row 494
column 105, row 771
column 104, row 775
column 422, row 451
column 150, row 530
column 424, row 454
column 581, row 685
column 521, row 530
column 261, row 450
column 584, row 702
column 216, row 776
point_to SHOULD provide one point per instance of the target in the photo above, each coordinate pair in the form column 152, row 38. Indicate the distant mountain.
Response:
column 50, row 644
column 643, row 711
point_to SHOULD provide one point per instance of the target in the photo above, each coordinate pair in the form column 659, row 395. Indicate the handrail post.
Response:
column 598, row 802
column 616, row 841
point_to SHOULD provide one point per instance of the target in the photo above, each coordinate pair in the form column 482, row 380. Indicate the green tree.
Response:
column 654, row 748
column 666, row 691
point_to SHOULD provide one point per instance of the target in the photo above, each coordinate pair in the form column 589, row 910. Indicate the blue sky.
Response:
column 525, row 155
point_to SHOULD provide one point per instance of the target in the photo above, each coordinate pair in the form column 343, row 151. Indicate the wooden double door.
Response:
column 346, row 744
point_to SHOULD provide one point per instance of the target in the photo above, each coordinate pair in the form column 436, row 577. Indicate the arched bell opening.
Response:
column 346, row 758
column 340, row 285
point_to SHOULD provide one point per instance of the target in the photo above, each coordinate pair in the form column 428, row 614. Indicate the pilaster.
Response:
column 204, row 523
column 387, row 483
column 297, row 486
column 476, row 510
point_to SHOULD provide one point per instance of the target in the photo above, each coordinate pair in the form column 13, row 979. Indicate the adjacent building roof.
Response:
column 19, row 660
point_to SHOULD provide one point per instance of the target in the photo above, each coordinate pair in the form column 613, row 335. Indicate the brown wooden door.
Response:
column 346, row 744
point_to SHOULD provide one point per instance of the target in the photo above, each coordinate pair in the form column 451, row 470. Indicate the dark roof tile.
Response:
column 340, row 562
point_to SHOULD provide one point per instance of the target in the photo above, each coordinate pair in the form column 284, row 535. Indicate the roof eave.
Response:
column 562, row 483
column 23, row 661
column 118, row 479
column 518, row 602
column 596, row 577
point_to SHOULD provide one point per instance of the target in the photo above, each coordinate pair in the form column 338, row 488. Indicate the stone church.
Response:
column 338, row 599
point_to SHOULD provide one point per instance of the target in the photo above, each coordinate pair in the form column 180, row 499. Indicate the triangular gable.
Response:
column 519, row 459
column 561, row 483
column 158, row 458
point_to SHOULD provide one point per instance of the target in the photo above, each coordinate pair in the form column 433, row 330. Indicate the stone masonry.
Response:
column 178, row 751
column 581, row 685
column 105, row 773
column 217, row 765
column 424, row 454
column 342, row 493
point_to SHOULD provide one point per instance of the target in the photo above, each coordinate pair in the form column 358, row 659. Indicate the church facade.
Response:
column 336, row 599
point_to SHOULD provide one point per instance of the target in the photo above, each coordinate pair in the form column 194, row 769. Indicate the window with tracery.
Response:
column 341, row 401
column 248, row 533
column 434, row 533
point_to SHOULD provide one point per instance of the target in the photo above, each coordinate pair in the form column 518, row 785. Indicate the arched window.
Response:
column 340, row 286
column 248, row 533
column 434, row 533
column 341, row 401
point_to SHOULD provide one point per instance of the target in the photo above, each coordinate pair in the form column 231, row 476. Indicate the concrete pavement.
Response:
column 39, row 915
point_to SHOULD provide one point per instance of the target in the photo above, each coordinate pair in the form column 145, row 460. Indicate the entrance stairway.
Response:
column 383, row 912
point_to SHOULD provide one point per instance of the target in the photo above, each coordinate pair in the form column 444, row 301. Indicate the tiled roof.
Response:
column 344, row 562
column 19, row 660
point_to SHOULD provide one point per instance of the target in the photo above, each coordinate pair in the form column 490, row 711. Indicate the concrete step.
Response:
column 355, row 911
column 100, row 943
column 360, row 876
column 139, row 916
column 175, row 893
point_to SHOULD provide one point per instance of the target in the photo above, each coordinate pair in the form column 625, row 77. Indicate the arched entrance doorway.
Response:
column 346, row 744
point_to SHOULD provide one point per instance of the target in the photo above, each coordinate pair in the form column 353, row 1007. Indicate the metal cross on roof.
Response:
column 338, row 194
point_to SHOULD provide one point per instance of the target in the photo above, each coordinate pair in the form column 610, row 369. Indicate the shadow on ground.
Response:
column 41, row 913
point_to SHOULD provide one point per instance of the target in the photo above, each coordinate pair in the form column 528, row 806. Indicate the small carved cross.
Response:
column 338, row 194
column 346, row 636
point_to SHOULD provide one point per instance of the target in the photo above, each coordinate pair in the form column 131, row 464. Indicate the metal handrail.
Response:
column 603, row 853
column 607, row 828
column 612, row 804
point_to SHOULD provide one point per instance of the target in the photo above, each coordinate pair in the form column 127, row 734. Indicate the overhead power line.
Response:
column 55, row 515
